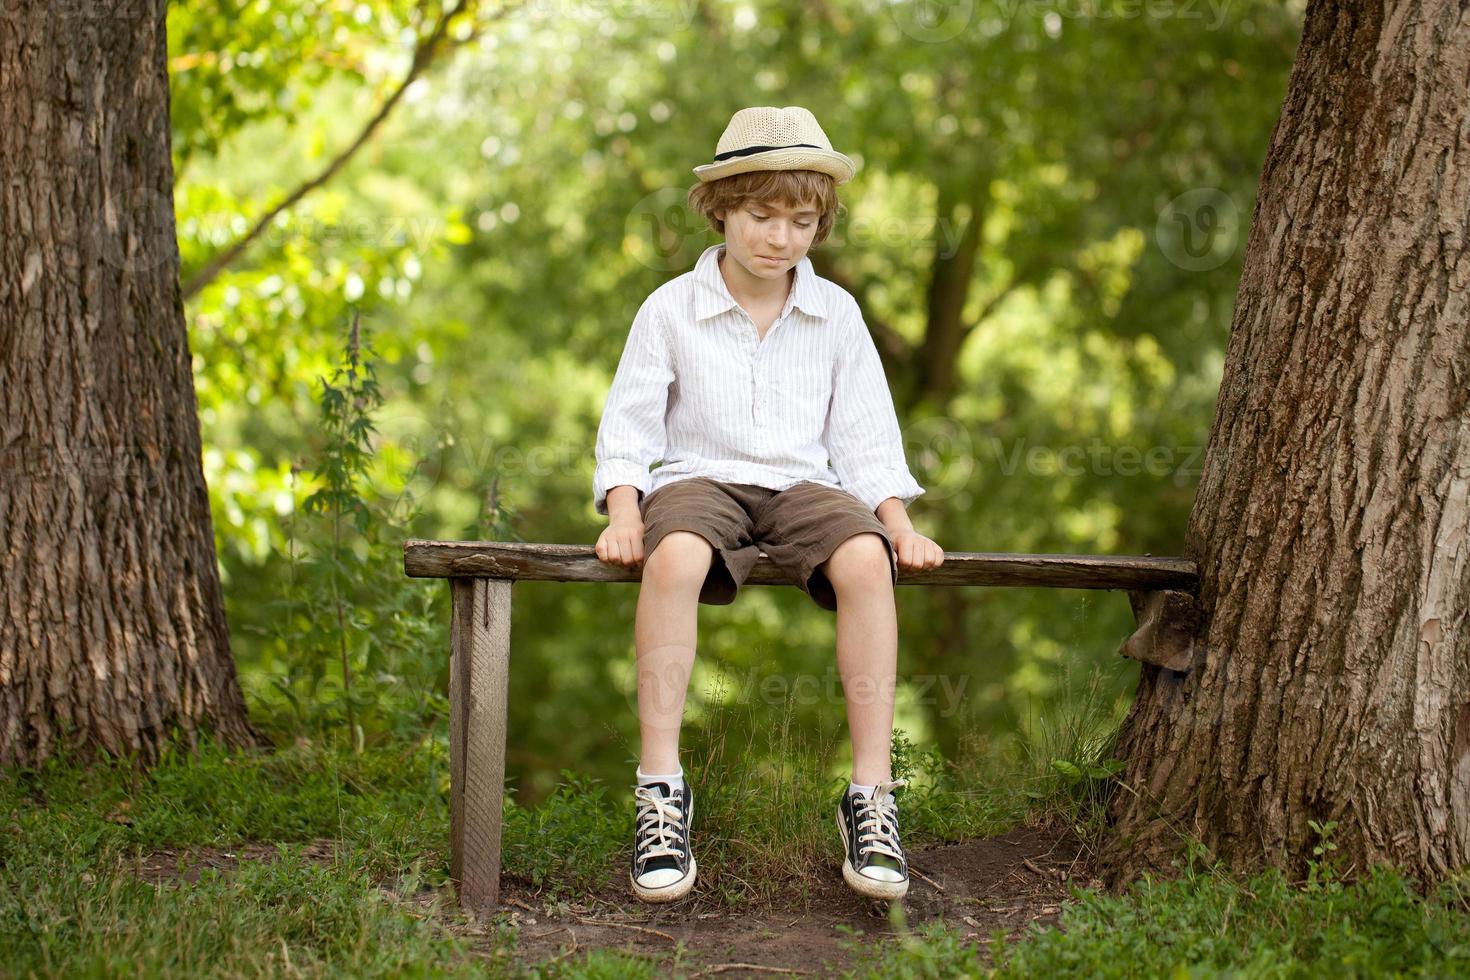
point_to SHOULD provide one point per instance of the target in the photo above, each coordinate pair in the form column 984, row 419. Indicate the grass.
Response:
column 74, row 903
column 1205, row 923
column 356, row 880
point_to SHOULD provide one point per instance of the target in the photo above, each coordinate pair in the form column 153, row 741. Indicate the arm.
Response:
column 863, row 439
column 891, row 512
column 631, row 435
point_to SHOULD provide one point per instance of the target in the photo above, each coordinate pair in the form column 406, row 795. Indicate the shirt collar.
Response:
column 712, row 296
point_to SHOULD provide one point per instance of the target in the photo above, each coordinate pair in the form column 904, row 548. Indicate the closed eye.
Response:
column 799, row 224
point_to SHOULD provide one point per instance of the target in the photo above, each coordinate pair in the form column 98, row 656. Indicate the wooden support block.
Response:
column 478, row 677
column 1168, row 628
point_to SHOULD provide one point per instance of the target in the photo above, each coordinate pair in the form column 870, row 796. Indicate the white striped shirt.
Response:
column 699, row 390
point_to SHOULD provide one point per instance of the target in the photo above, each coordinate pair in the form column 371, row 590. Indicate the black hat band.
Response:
column 747, row 151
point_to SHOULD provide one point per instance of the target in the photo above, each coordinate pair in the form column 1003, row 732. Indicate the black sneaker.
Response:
column 873, row 864
column 663, row 867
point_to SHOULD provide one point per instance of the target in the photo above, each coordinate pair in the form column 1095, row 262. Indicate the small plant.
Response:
column 1073, row 771
column 356, row 647
column 1197, row 858
column 1083, row 773
column 1322, row 871
column 347, row 422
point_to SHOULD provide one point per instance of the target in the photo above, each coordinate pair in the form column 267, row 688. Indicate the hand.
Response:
column 916, row 552
column 621, row 543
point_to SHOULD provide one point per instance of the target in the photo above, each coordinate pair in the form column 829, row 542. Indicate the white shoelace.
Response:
column 660, row 823
column 877, row 821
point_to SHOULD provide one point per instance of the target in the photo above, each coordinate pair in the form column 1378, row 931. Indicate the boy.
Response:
column 748, row 376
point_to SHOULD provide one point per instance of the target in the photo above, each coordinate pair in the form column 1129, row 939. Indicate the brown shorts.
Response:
column 797, row 528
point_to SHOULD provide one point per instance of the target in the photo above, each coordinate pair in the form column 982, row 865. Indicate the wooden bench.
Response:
column 1160, row 591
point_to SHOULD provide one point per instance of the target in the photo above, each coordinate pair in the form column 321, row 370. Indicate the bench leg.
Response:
column 478, row 674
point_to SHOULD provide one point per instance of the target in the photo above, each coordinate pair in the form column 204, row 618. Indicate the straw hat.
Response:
column 766, row 138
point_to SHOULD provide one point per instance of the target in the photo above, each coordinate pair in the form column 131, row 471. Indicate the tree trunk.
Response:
column 950, row 280
column 112, row 629
column 1332, row 523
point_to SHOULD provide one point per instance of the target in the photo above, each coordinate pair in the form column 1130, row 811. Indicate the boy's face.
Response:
column 756, row 233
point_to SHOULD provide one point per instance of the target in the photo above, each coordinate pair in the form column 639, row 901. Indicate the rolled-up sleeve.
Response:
column 862, row 436
column 631, row 435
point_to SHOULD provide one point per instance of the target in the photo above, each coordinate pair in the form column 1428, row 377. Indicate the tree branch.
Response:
column 423, row 56
column 1024, row 276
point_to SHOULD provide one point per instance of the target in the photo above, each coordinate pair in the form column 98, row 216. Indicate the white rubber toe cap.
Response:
column 882, row 874
column 659, row 877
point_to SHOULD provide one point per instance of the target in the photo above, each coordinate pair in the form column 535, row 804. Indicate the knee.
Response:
column 680, row 558
column 860, row 561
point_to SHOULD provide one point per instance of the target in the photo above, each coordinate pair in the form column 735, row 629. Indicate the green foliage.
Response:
column 954, row 799
column 567, row 842
column 75, row 902
column 356, row 644
column 1322, row 870
column 1208, row 924
column 491, row 234
column 1071, row 770
column 494, row 232
column 243, row 62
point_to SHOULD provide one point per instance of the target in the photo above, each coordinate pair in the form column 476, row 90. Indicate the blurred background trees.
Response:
column 1045, row 236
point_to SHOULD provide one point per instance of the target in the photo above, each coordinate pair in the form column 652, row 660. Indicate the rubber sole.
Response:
column 862, row 884
column 674, row 890
column 671, row 892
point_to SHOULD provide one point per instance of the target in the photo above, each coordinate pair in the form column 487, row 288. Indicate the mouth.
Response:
column 767, row 258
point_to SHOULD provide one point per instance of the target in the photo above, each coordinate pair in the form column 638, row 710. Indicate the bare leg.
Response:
column 665, row 634
column 867, row 650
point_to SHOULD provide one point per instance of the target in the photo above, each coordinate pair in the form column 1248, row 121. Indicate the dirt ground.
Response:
column 982, row 885
column 1005, row 883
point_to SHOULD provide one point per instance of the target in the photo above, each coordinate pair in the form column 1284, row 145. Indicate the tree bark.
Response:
column 950, row 280
column 1332, row 522
column 112, row 628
